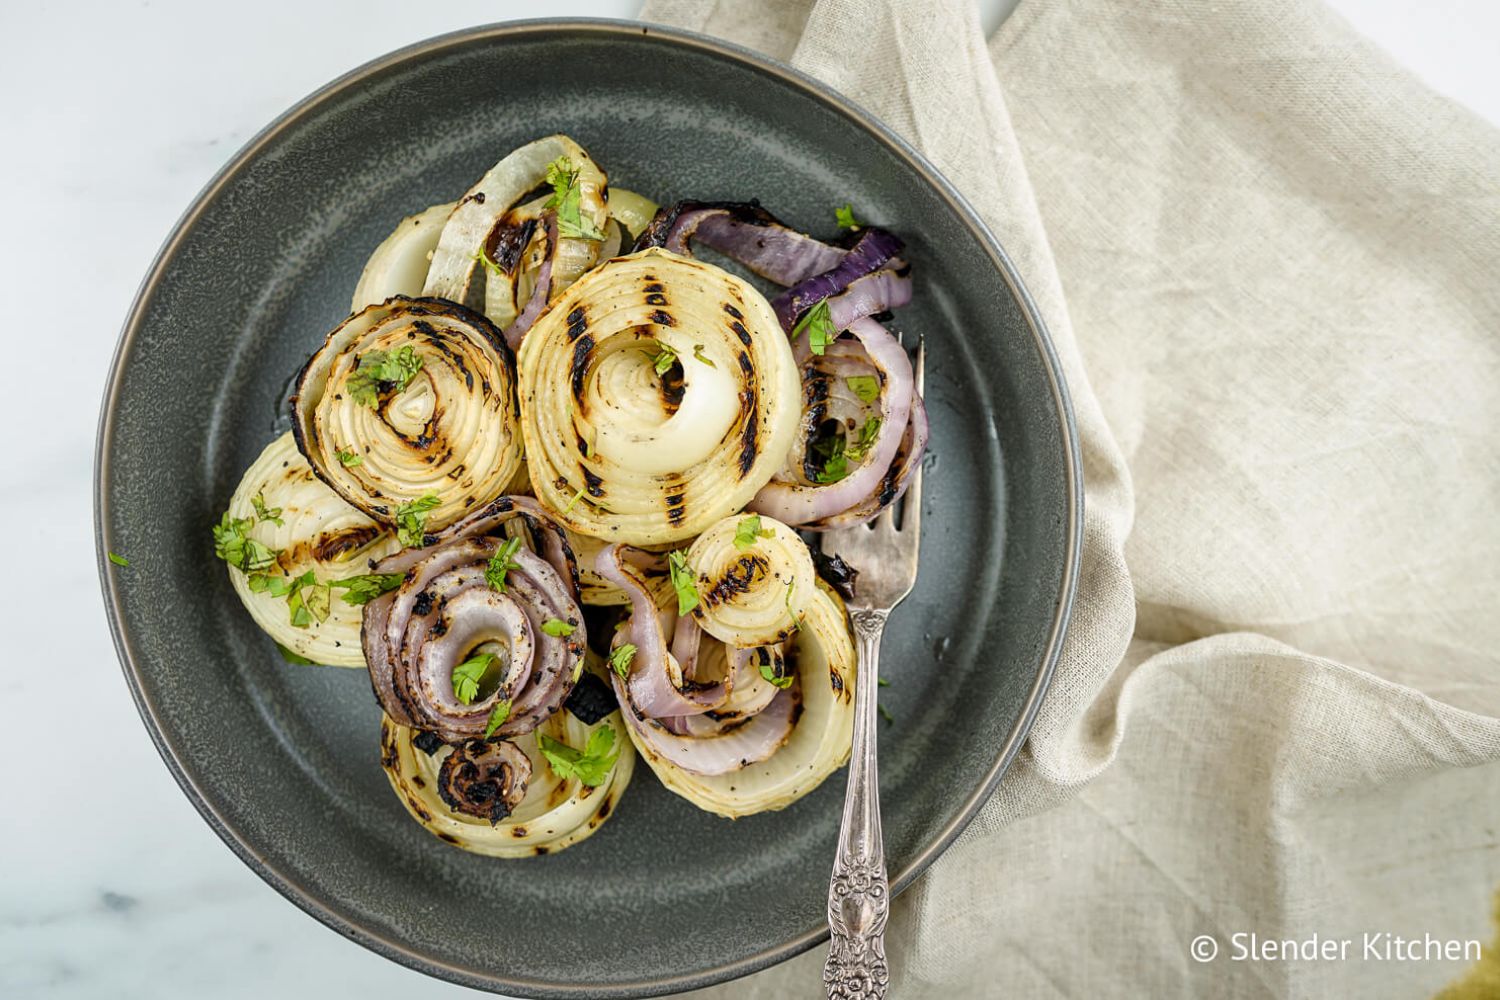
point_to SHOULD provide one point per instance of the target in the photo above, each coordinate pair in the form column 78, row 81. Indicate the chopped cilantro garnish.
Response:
column 233, row 544
column 498, row 715
column 590, row 766
column 272, row 514
column 866, row 387
column 835, row 465
column 572, row 223
column 886, row 713
column 366, row 587
column 867, row 435
column 557, row 627
column 769, row 673
column 663, row 359
column 682, row 582
column 501, row 563
column 819, row 326
column 378, row 369
column 118, row 560
column 309, row 600
column 576, row 497
column 489, row 265
column 411, row 520
column 698, row 353
column 844, row 216
column 349, row 459
column 468, row 674
column 621, row 658
column 748, row 530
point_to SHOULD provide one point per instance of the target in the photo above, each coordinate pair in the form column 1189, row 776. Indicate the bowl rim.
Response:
column 352, row 925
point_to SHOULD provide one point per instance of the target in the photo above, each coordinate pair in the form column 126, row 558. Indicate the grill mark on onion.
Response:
column 731, row 310
column 736, row 580
column 592, row 483
column 745, row 365
column 508, row 240
column 332, row 545
column 750, row 408
column 672, row 389
column 662, row 318
column 740, row 332
column 578, row 322
column 582, row 348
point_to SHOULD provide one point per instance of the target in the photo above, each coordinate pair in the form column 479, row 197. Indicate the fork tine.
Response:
column 911, row 511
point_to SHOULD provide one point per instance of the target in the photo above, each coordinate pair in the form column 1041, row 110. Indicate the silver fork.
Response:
column 859, row 895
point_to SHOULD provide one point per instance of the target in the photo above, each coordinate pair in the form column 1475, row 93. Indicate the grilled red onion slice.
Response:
column 874, row 249
column 656, row 682
column 733, row 748
column 445, row 611
column 893, row 484
column 484, row 778
column 744, row 232
column 803, row 503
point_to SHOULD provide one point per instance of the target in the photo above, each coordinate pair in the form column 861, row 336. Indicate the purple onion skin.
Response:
column 874, row 249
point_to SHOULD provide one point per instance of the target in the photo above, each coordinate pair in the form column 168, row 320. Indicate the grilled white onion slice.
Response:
column 625, row 453
column 484, row 216
column 821, row 653
column 596, row 590
column 318, row 532
column 450, row 431
column 749, row 596
column 399, row 265
column 553, row 813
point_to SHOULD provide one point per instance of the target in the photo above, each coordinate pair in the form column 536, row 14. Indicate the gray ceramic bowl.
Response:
column 283, row 761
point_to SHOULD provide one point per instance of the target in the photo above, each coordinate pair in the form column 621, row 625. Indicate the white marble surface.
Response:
column 116, row 114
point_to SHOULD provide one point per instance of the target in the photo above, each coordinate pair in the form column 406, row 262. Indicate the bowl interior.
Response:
column 285, row 758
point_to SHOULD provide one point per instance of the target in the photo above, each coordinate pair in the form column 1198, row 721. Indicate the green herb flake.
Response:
column 662, row 361
column 698, row 353
column 411, row 520
column 620, row 659
column 271, row 514
column 378, row 371
column 557, row 627
column 866, row 387
column 565, row 200
column 468, row 674
column 309, row 600
column 748, row 530
column 365, row 588
column 844, row 216
column 867, row 437
column 576, row 497
column 884, row 683
column 349, row 459
column 498, row 715
column 591, row 766
column 818, row 323
column 118, row 560
column 501, row 563
column 296, row 659
column 682, row 582
column 885, row 713
column 491, row 266
column 233, row 544
column 769, row 673
column 835, row 463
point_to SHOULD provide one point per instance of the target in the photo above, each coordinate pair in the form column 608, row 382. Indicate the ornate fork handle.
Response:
column 859, row 895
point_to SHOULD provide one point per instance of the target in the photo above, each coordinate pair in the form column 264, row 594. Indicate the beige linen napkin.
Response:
column 1267, row 256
